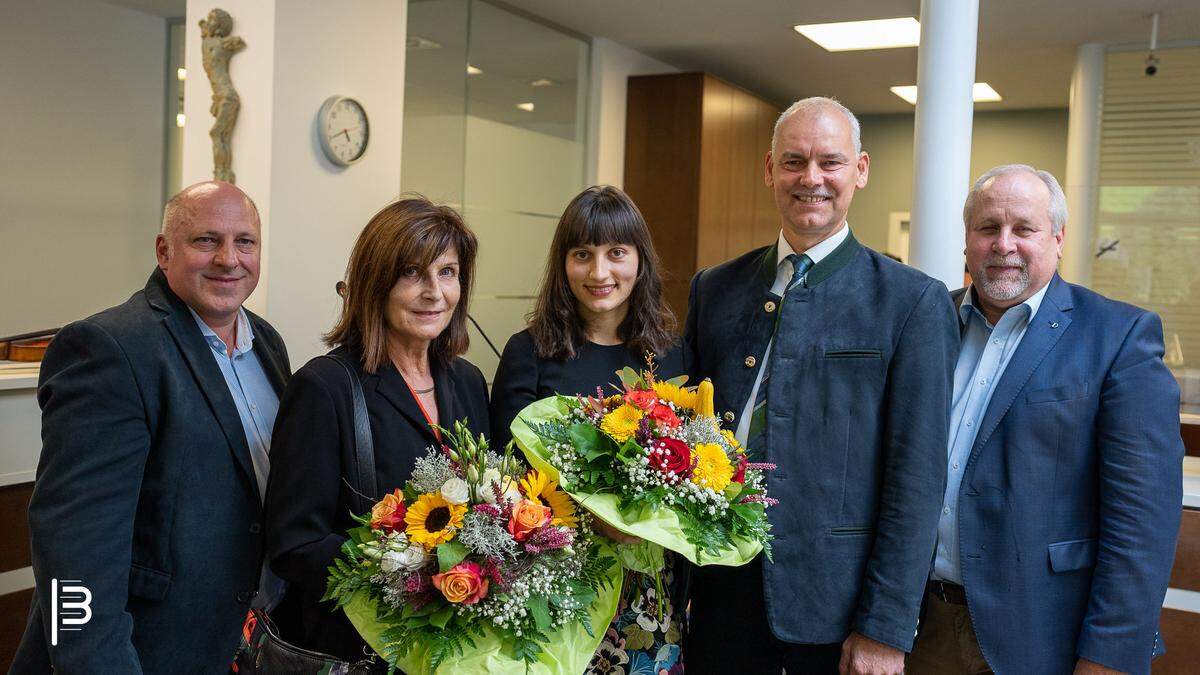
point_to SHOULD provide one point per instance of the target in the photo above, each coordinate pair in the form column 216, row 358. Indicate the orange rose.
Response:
column 388, row 514
column 643, row 399
column 527, row 516
column 464, row 583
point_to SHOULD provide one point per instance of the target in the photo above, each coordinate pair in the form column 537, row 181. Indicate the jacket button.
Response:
column 255, row 528
column 750, row 361
column 770, row 306
column 728, row 416
column 243, row 597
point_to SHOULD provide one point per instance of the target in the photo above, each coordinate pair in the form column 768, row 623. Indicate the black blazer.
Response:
column 145, row 493
column 312, row 448
column 858, row 412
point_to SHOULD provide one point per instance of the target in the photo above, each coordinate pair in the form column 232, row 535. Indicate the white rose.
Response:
column 512, row 494
column 456, row 491
column 410, row 559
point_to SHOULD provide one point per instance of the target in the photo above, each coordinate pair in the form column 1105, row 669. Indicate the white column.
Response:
column 1083, row 163
column 298, row 53
column 942, row 144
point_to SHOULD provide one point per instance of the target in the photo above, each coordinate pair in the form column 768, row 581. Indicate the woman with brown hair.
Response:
column 403, row 328
column 599, row 310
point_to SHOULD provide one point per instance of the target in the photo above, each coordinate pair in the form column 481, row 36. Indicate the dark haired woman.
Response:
column 600, row 309
column 403, row 328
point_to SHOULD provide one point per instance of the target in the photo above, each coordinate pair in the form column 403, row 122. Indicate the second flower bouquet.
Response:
column 653, row 461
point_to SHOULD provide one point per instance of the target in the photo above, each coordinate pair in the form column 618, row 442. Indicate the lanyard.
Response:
column 436, row 434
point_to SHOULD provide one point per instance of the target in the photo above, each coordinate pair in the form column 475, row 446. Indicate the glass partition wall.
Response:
column 494, row 124
column 1148, row 211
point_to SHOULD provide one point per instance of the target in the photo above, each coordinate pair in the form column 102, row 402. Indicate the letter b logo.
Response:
column 70, row 605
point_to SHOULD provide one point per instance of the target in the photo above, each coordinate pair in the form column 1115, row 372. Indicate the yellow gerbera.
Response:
column 713, row 468
column 537, row 486
column 622, row 422
column 672, row 393
column 431, row 520
column 731, row 439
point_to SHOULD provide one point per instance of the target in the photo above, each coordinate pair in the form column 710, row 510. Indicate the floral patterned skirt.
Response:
column 638, row 641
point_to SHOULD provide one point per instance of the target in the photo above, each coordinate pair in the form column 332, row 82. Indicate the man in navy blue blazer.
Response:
column 833, row 362
column 156, row 423
column 1064, row 485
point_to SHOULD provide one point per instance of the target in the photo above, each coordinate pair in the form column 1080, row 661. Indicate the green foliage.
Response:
column 539, row 609
column 450, row 554
column 345, row 578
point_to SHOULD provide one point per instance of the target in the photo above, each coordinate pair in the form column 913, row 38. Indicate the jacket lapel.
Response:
column 268, row 357
column 394, row 389
column 198, row 356
column 1045, row 329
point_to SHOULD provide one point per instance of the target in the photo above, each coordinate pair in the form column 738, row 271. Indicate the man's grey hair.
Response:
column 1058, row 200
column 180, row 209
column 813, row 104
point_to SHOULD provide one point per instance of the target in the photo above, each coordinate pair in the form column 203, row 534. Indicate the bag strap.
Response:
column 364, row 487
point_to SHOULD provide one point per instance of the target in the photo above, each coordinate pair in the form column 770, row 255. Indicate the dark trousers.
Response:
column 728, row 630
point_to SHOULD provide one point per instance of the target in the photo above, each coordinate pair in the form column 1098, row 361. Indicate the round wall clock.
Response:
column 344, row 130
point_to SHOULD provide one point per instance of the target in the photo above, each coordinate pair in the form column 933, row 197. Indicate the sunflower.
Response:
column 431, row 520
column 537, row 486
column 713, row 468
column 622, row 422
column 673, row 393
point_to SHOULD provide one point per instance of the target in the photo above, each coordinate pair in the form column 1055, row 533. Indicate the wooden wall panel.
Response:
column 745, row 174
column 715, row 172
column 14, row 526
column 1191, row 438
column 662, row 170
column 1179, row 630
column 766, row 216
column 1185, row 575
column 694, row 151
column 14, row 612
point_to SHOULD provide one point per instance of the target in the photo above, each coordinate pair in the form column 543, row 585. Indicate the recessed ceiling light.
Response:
column 981, row 92
column 543, row 82
column 875, row 34
column 472, row 70
column 527, row 107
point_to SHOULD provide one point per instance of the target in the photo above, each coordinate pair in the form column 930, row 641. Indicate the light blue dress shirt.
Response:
column 983, row 355
column 257, row 404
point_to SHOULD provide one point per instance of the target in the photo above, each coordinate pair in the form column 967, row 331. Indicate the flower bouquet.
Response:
column 653, row 462
column 479, row 562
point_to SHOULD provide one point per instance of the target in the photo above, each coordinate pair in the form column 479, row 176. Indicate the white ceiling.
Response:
column 1026, row 47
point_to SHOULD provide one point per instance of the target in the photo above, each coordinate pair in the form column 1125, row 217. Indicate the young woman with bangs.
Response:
column 600, row 309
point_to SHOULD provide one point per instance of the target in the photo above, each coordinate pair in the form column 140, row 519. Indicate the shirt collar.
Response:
column 818, row 251
column 245, row 334
column 968, row 305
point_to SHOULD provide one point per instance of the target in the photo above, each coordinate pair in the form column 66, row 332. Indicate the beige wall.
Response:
column 81, row 158
column 1036, row 137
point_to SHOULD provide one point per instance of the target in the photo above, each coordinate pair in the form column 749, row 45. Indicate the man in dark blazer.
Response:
column 833, row 362
column 153, row 461
column 1064, row 487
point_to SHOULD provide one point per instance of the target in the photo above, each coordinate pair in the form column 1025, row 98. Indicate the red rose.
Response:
column 664, row 417
column 671, row 455
column 739, row 473
column 642, row 399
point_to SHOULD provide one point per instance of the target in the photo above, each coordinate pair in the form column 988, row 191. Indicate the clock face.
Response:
column 344, row 130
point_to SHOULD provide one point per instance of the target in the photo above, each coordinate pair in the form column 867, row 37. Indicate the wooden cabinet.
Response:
column 695, row 152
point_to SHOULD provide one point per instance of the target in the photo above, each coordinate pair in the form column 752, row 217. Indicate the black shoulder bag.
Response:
column 262, row 650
